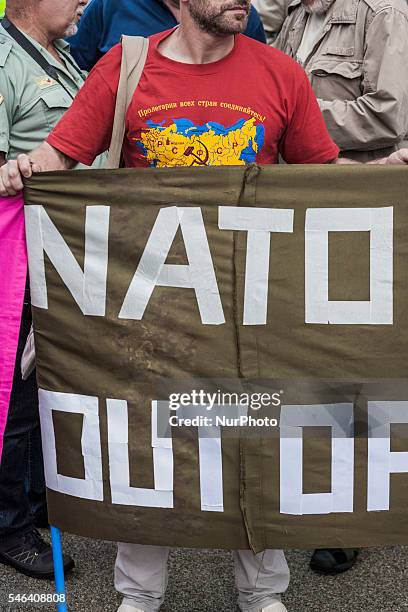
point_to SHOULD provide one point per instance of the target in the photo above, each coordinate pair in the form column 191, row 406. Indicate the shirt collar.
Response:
column 62, row 45
column 59, row 43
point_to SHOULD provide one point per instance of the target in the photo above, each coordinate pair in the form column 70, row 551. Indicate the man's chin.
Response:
column 232, row 26
column 71, row 30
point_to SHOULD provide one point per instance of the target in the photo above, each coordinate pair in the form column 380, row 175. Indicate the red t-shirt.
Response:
column 248, row 107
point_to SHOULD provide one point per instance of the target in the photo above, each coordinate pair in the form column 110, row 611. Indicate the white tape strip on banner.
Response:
column 211, row 483
column 91, row 487
column 381, row 461
column 379, row 309
column 293, row 418
column 259, row 223
column 164, row 408
column 122, row 493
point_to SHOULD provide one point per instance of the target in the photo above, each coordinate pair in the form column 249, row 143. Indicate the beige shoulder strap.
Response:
column 134, row 55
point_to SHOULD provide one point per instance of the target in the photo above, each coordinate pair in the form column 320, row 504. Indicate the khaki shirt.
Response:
column 359, row 72
column 31, row 103
column 273, row 13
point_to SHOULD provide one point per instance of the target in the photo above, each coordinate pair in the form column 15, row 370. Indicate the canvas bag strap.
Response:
column 134, row 55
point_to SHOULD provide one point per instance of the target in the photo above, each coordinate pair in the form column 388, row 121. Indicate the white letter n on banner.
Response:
column 154, row 272
column 88, row 287
column 319, row 309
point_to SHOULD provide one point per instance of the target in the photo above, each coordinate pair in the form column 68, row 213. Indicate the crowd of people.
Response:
column 331, row 87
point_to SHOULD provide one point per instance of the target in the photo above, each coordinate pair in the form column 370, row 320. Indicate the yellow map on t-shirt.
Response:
column 184, row 144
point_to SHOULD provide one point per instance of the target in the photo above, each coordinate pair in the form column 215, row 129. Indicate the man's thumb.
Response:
column 35, row 167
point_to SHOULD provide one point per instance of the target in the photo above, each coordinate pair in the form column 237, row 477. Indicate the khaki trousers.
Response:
column 141, row 576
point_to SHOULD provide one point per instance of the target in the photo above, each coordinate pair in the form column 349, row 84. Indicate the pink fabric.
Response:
column 13, row 271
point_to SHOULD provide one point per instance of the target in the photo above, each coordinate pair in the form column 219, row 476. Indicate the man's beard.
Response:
column 317, row 6
column 71, row 30
column 218, row 20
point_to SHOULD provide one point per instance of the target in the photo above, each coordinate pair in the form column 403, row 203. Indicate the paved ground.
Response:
column 203, row 582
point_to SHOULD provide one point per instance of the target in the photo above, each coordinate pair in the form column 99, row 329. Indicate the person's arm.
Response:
column 86, row 42
column 398, row 158
column 13, row 171
column 255, row 28
column 83, row 133
column 379, row 117
column 306, row 139
column 42, row 159
column 85, row 130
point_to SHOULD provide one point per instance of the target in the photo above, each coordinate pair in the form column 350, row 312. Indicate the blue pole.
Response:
column 58, row 569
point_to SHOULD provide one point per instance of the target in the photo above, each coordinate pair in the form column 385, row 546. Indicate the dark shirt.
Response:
column 104, row 22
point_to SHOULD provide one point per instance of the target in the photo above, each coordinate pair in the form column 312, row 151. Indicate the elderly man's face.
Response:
column 61, row 16
column 222, row 17
column 317, row 6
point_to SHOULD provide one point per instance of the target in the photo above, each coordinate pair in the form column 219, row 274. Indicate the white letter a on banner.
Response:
column 153, row 272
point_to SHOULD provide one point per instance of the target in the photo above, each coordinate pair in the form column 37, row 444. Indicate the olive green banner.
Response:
column 222, row 354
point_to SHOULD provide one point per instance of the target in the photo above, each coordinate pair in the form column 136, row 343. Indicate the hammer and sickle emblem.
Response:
column 200, row 154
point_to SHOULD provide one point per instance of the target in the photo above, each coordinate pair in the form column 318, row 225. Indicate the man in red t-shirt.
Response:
column 208, row 96
column 248, row 105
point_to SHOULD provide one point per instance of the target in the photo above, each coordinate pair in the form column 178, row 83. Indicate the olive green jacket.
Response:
column 31, row 103
column 359, row 72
